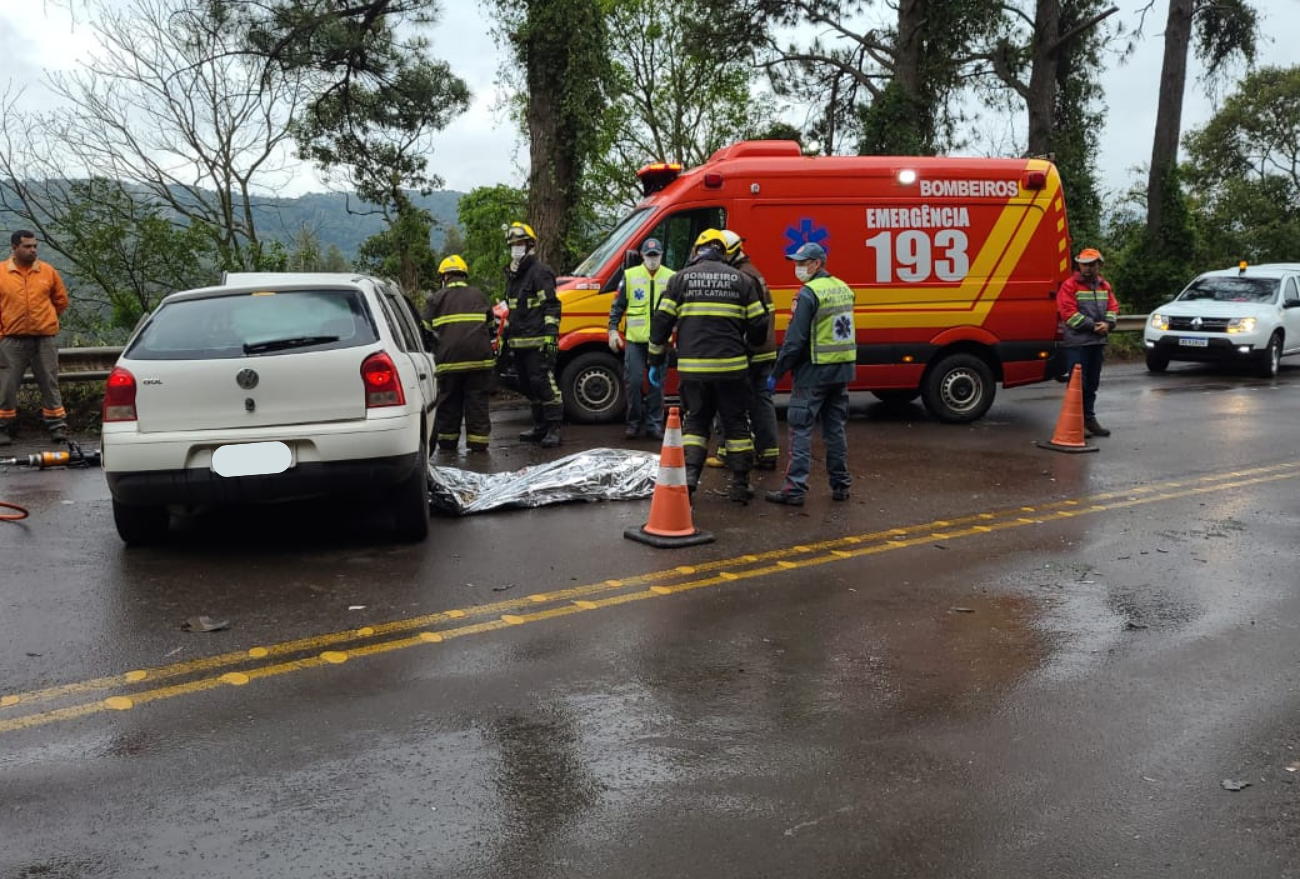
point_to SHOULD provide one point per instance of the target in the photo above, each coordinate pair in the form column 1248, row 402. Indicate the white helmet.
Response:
column 732, row 241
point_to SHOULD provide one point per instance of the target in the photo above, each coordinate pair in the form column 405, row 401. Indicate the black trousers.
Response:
column 536, row 372
column 729, row 400
column 463, row 396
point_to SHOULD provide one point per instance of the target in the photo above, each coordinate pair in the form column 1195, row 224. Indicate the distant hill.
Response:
column 326, row 214
column 334, row 218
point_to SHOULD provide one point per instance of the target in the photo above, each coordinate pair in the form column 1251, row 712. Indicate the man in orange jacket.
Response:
column 32, row 297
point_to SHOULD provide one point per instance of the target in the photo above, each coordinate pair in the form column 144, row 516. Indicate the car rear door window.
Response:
column 255, row 324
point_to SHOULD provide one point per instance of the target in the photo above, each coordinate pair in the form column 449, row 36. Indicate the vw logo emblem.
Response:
column 246, row 379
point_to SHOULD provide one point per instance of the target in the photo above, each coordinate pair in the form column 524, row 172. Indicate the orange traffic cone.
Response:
column 670, row 508
column 1069, row 425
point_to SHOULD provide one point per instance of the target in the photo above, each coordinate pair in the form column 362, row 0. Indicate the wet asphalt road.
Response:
column 994, row 661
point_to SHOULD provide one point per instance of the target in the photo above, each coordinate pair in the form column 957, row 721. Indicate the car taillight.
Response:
column 119, row 396
column 379, row 374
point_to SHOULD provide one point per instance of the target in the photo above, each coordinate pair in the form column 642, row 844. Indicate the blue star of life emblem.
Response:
column 843, row 327
column 807, row 230
column 638, row 294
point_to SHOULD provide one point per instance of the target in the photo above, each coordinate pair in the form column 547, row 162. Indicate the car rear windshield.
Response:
column 1231, row 289
column 255, row 324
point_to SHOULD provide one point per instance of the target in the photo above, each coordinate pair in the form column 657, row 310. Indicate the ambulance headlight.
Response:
column 1159, row 322
column 907, row 177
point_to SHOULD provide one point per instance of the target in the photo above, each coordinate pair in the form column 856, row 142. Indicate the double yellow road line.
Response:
column 123, row 692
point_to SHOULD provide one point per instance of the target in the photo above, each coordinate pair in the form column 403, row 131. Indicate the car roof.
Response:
column 235, row 282
column 1267, row 270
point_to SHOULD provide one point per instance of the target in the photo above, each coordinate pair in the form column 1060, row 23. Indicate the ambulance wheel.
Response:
column 958, row 388
column 592, row 387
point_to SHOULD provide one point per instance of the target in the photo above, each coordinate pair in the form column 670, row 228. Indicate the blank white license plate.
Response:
column 252, row 459
column 1194, row 343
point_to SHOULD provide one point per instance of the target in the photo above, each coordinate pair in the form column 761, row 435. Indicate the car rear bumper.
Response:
column 196, row 486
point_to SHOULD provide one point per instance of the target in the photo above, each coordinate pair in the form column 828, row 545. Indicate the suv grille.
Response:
column 1207, row 324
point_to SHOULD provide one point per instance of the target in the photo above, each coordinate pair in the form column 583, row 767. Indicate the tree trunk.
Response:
column 1041, row 100
column 550, row 175
column 1169, row 113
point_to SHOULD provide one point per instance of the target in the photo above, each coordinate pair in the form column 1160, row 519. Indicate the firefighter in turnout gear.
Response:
column 821, row 349
column 460, row 318
column 718, row 314
column 638, row 296
column 532, row 331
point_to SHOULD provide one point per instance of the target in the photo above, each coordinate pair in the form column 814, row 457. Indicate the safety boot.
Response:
column 551, row 435
column 692, row 478
column 1094, row 428
column 59, row 433
column 5, row 439
column 740, row 492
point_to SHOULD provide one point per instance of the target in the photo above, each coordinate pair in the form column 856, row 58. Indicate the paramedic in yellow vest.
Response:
column 460, row 318
column 637, row 299
column 821, row 350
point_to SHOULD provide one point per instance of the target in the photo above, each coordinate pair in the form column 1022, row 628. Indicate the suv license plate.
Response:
column 1194, row 343
column 252, row 459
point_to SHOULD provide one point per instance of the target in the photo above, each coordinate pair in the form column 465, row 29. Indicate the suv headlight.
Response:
column 1241, row 325
column 1159, row 322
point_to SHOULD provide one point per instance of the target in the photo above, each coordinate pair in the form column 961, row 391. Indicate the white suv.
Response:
column 1248, row 314
column 271, row 387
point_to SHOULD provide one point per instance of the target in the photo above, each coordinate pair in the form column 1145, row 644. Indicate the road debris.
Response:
column 204, row 624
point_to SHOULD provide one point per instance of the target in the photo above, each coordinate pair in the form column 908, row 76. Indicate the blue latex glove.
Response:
column 656, row 376
column 771, row 383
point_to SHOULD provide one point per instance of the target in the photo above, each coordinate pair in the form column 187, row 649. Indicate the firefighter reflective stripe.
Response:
column 763, row 357
column 473, row 317
column 712, row 364
column 444, row 367
column 711, row 309
column 834, row 339
column 642, row 290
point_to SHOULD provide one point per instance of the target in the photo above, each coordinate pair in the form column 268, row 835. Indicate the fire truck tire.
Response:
column 958, row 388
column 896, row 397
column 592, row 387
column 141, row 526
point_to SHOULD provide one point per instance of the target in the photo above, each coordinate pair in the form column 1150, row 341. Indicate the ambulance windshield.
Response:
column 615, row 243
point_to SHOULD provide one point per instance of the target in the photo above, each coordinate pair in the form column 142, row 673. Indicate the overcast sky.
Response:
column 481, row 148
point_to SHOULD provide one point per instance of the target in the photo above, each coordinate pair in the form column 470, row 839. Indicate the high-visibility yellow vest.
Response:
column 642, row 290
column 834, row 339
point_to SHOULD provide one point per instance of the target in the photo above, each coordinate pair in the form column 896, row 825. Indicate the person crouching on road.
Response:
column 533, row 332
column 718, row 314
column 821, row 349
column 460, row 318
column 1088, row 308
column 638, row 297
column 32, row 297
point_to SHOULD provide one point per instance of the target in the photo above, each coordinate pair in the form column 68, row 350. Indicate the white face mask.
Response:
column 517, row 251
column 803, row 273
column 652, row 262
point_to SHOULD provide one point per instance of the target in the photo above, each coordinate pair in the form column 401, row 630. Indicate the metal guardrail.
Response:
column 94, row 364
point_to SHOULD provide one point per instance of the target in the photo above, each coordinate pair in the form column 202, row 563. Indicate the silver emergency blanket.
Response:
column 593, row 475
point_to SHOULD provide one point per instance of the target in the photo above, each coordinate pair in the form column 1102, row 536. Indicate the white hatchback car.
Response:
column 1249, row 314
column 271, row 387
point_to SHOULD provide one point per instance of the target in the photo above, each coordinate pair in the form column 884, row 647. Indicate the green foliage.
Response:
column 896, row 124
column 1076, row 123
column 402, row 251
column 484, row 212
column 1147, row 271
column 125, row 255
column 1243, row 168
column 1225, row 31
column 672, row 98
column 560, row 52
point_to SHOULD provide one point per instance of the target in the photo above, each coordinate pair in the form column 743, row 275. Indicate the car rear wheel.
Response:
column 1157, row 362
column 141, row 526
column 592, row 387
column 1271, row 359
column 411, row 502
column 958, row 388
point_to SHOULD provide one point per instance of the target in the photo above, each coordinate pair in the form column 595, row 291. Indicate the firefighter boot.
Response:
column 740, row 492
column 538, row 430
column 551, row 437
column 5, row 439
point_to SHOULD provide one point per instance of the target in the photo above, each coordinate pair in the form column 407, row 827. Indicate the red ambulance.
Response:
column 955, row 263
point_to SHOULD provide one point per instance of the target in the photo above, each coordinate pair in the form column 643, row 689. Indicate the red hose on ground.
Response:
column 17, row 514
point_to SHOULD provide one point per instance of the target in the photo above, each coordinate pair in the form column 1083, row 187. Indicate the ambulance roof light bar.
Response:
column 658, row 175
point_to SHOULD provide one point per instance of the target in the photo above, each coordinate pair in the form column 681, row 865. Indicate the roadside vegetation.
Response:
column 150, row 173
